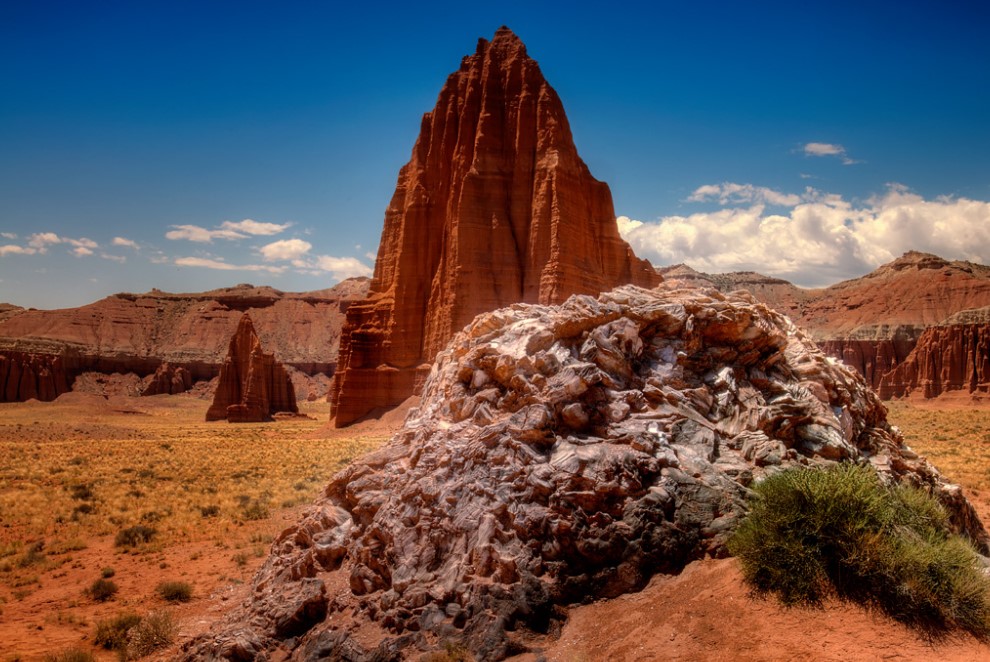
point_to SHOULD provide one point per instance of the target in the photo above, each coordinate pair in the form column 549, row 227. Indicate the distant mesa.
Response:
column 164, row 339
column 873, row 323
column 253, row 386
column 495, row 207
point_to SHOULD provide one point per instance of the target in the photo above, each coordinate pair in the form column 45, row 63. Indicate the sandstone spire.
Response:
column 494, row 207
column 253, row 385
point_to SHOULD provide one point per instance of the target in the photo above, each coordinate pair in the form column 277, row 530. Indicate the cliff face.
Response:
column 494, row 207
column 947, row 358
column 140, row 332
column 253, row 385
column 26, row 376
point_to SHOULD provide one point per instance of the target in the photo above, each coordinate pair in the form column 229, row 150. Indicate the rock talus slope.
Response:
column 494, row 207
column 560, row 454
column 253, row 385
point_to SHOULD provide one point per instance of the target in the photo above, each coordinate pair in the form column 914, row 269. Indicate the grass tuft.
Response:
column 102, row 590
column 112, row 634
column 155, row 631
column 813, row 533
column 134, row 536
column 175, row 591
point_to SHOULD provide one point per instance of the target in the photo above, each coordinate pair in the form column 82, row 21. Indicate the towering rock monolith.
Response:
column 495, row 207
column 253, row 385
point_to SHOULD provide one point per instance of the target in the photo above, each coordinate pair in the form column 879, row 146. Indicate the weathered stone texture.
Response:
column 561, row 454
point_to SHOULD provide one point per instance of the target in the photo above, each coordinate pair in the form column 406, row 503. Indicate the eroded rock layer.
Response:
column 168, row 380
column 947, row 358
column 494, row 207
column 253, row 385
column 560, row 454
column 873, row 322
column 136, row 333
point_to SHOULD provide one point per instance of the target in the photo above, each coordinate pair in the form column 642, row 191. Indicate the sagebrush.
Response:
column 814, row 533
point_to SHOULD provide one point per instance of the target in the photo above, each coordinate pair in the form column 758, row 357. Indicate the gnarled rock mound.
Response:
column 561, row 454
column 253, row 385
column 494, row 207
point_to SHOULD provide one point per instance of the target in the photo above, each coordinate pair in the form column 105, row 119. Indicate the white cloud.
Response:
column 114, row 258
column 342, row 267
column 121, row 241
column 731, row 193
column 285, row 249
column 8, row 235
column 829, row 149
column 248, row 226
column 202, row 235
column 40, row 241
column 82, row 251
column 11, row 249
column 820, row 241
column 209, row 263
column 82, row 242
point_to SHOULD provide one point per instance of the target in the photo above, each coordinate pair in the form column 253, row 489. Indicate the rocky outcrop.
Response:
column 494, row 207
column 947, row 358
column 561, row 454
column 136, row 333
column 253, row 385
column 168, row 380
column 27, row 376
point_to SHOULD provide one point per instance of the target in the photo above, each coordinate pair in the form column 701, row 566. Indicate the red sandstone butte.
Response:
column 495, row 207
column 253, row 385
column 947, row 358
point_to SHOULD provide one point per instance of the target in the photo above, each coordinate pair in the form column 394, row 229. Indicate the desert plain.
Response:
column 77, row 471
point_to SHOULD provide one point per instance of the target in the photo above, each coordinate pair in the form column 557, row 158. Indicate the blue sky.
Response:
column 193, row 145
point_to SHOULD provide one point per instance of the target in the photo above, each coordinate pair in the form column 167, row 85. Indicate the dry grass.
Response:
column 955, row 440
column 72, row 471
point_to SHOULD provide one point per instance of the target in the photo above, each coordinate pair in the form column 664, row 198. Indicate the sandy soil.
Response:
column 704, row 613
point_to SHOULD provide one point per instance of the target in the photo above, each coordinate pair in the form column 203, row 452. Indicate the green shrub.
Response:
column 812, row 533
column 102, row 590
column 134, row 536
column 175, row 591
column 107, row 572
column 156, row 630
column 112, row 634
column 70, row 655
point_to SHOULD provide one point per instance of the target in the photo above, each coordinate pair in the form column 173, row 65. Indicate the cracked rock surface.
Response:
column 561, row 454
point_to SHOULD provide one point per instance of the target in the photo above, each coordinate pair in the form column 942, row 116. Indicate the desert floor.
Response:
column 77, row 472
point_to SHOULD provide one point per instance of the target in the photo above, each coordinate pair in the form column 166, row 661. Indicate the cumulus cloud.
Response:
column 819, row 241
column 247, row 226
column 40, row 241
column 209, row 263
column 228, row 230
column 201, row 235
column 128, row 243
column 8, row 235
column 731, row 193
column 828, row 149
column 82, row 251
column 285, row 249
column 12, row 249
column 342, row 267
